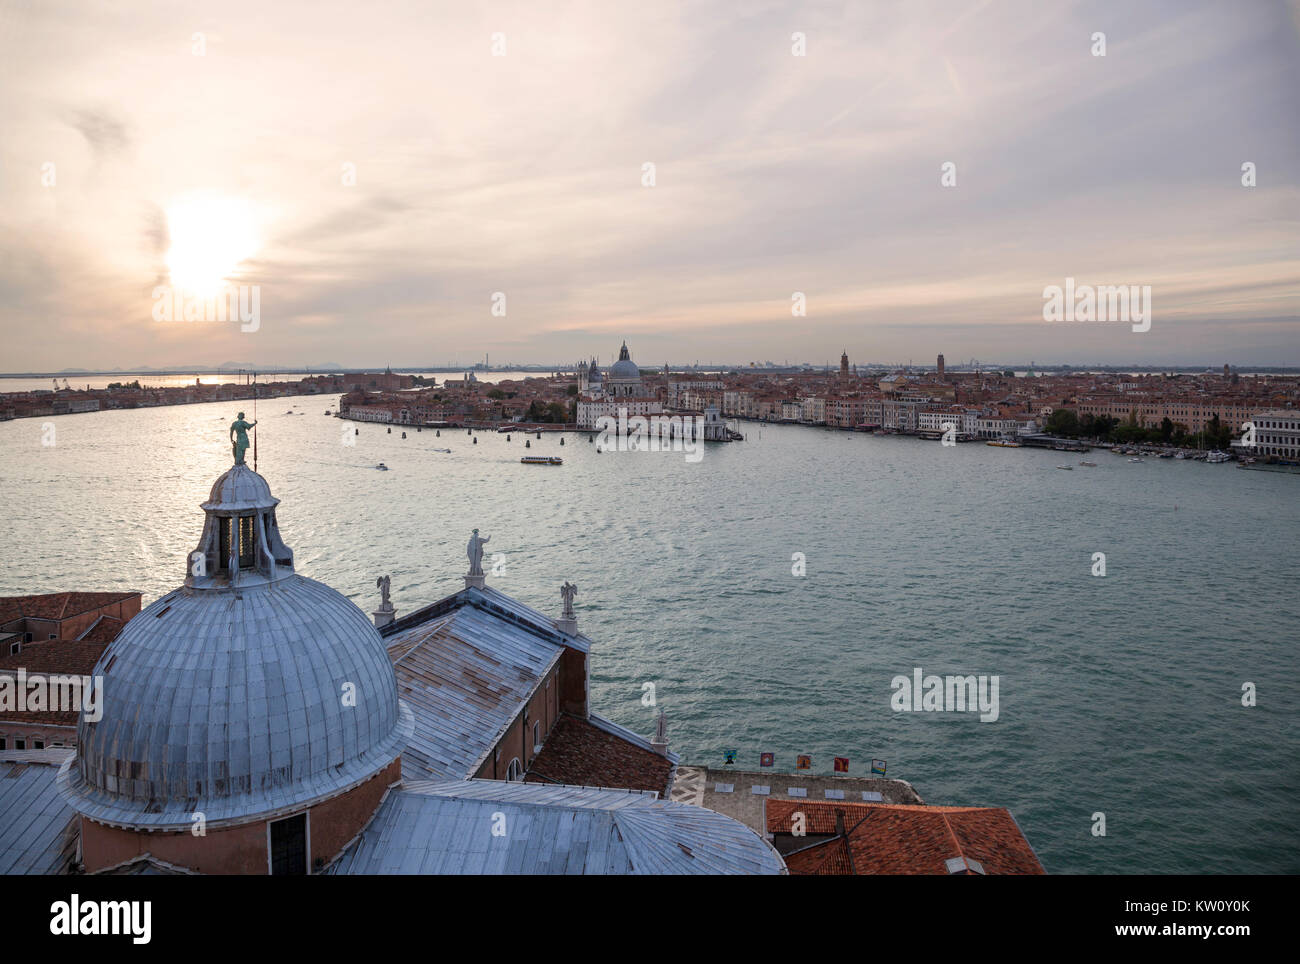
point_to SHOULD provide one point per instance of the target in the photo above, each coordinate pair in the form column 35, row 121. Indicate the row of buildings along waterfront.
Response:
column 978, row 404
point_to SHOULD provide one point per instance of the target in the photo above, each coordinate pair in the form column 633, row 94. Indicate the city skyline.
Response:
column 795, row 150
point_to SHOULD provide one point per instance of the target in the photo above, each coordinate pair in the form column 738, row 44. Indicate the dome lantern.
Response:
column 241, row 544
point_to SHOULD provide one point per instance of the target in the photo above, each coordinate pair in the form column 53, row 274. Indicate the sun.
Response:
column 210, row 236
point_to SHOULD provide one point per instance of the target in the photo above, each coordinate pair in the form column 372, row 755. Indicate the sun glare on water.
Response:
column 210, row 236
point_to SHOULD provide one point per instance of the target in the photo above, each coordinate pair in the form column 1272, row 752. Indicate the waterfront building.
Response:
column 812, row 409
column 1277, row 433
column 591, row 410
column 933, row 420
column 612, row 395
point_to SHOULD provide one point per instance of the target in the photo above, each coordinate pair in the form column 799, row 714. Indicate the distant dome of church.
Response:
column 624, row 368
column 247, row 691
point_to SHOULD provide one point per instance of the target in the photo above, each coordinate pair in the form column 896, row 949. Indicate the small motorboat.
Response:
column 1091, row 465
column 1137, row 460
column 382, row 467
column 1068, row 468
column 447, row 451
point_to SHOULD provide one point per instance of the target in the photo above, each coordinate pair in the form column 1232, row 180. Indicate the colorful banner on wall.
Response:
column 729, row 757
column 803, row 762
column 767, row 759
column 877, row 768
column 841, row 764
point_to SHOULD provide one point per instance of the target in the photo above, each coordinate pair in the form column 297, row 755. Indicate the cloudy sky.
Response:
column 379, row 174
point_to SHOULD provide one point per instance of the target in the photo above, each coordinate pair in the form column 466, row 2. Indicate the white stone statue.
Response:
column 475, row 553
column 567, row 592
column 383, row 582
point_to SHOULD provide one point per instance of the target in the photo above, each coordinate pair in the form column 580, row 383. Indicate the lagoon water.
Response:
column 1119, row 695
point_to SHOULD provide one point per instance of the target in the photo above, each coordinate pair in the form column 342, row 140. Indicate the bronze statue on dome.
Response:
column 239, row 438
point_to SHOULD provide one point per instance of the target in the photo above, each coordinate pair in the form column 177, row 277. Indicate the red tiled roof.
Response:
column 55, row 657
column 59, row 656
column 56, row 605
column 829, row 858
column 904, row 839
column 578, row 752
column 104, row 630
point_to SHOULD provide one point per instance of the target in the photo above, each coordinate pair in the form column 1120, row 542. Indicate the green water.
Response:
column 1118, row 694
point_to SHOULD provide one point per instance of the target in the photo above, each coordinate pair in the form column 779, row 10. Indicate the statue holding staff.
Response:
column 239, row 438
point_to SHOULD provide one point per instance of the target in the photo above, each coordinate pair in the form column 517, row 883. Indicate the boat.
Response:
column 1180, row 455
column 1217, row 457
column 1137, row 460
column 382, row 467
column 1068, row 468
column 541, row 460
column 448, row 451
column 1003, row 443
column 1091, row 465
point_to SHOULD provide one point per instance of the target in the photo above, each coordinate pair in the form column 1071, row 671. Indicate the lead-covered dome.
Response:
column 249, row 690
column 624, row 368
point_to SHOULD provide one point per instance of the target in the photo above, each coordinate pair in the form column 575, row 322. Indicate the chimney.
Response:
column 660, row 742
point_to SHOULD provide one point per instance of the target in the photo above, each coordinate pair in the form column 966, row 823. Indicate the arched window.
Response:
column 515, row 772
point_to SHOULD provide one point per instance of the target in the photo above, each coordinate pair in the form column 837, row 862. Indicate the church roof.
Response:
column 447, row 828
column 466, row 666
column 239, row 490
column 37, row 833
column 231, row 703
column 240, row 699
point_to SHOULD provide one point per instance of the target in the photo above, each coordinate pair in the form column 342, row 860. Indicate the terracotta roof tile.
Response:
column 904, row 839
column 59, row 656
column 56, row 605
column 581, row 754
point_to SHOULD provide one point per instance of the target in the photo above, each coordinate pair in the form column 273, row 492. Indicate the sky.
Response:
column 382, row 174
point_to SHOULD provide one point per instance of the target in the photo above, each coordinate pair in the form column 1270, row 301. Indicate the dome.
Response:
column 241, row 694
column 624, row 369
column 235, row 705
column 240, row 488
